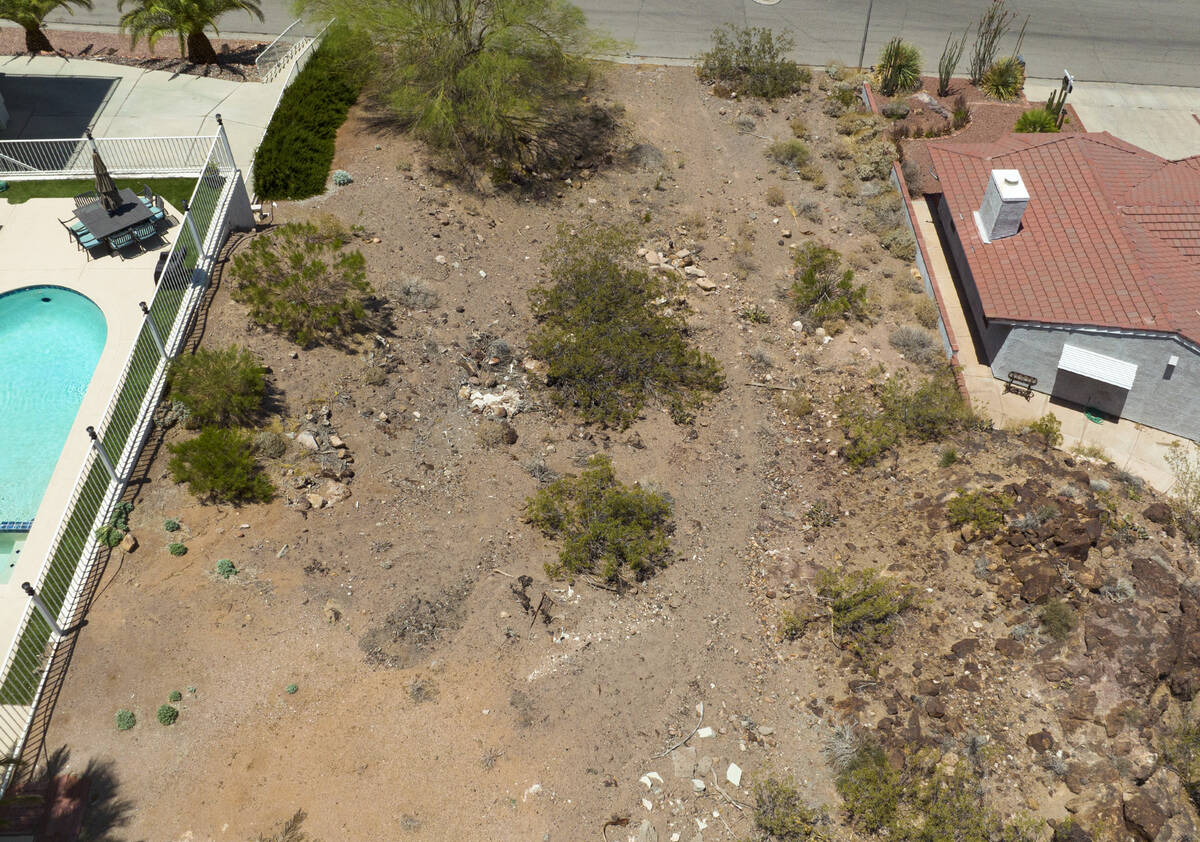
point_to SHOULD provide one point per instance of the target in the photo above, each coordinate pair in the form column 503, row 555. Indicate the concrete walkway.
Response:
column 1130, row 446
column 141, row 103
column 1162, row 119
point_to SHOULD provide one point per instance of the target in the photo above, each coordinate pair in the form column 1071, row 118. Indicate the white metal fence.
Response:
column 280, row 51
column 159, row 157
column 119, row 437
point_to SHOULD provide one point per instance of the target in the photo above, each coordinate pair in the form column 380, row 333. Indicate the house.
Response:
column 1079, row 260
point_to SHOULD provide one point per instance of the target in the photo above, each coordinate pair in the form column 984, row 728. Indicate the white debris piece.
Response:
column 734, row 774
column 503, row 404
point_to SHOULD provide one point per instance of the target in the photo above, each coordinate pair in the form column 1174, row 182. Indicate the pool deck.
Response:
column 37, row 252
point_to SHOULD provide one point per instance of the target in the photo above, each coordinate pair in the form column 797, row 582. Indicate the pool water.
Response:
column 50, row 342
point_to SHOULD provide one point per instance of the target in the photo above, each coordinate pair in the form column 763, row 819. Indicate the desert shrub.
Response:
column 925, row 311
column 167, row 714
column 917, row 345
column 962, row 113
column 341, row 178
column 1058, row 619
column 755, row 314
column 865, row 607
column 859, row 124
column 177, row 548
column 792, row 625
column 226, row 568
column 899, row 243
column 1184, row 462
column 947, row 457
column 293, row 160
column 876, row 422
column 171, row 525
column 301, row 282
column 1036, row 120
column 753, row 62
column 948, row 63
column 842, row 98
column 1181, row 753
column 268, row 444
column 1048, row 428
column 792, row 152
column 609, row 347
column 781, row 813
column 898, row 69
column 993, row 25
column 798, row 127
column 112, row 533
column 289, row 831
column 822, row 288
column 1004, row 80
column 883, row 211
column 984, row 510
column 870, row 789
column 606, row 527
column 775, row 196
column 415, row 294
column 814, row 175
column 223, row 387
column 219, row 465
column 796, row 404
column 125, row 719
column 873, row 158
column 291, row 689
column 174, row 696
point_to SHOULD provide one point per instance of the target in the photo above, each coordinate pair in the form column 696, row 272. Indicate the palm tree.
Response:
column 29, row 14
column 186, row 18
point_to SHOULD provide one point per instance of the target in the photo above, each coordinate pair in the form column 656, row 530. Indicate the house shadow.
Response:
column 43, row 107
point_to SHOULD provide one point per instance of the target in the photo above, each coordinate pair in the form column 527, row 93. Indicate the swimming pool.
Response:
column 50, row 342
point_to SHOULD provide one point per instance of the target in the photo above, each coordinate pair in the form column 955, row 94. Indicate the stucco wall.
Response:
column 1167, row 403
column 992, row 336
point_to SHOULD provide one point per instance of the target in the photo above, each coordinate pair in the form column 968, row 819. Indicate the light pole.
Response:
column 862, row 53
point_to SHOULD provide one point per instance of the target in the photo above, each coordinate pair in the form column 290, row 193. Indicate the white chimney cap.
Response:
column 1010, row 186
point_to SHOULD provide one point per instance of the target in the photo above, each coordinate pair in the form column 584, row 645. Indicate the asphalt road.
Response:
column 1137, row 41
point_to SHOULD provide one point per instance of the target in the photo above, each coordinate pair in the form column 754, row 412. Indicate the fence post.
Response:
column 43, row 610
column 191, row 227
column 99, row 448
column 162, row 349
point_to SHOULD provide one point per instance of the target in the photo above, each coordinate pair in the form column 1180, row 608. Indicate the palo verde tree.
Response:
column 186, row 19
column 29, row 14
column 498, row 83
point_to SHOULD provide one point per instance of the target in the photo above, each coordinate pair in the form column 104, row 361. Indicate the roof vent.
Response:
column 1003, row 206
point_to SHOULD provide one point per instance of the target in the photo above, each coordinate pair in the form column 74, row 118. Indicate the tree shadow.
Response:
column 106, row 812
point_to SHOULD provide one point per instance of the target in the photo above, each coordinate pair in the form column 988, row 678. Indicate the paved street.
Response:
column 1148, row 42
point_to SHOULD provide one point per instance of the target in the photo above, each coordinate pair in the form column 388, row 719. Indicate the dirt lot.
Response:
column 429, row 704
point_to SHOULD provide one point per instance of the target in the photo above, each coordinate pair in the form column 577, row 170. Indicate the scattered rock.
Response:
column 684, row 761
column 129, row 543
column 646, row 832
column 733, row 774
column 1159, row 513
column 1041, row 741
column 315, row 500
column 1143, row 816
column 307, row 440
column 706, row 284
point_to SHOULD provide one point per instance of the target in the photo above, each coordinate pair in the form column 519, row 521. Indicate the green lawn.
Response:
column 174, row 190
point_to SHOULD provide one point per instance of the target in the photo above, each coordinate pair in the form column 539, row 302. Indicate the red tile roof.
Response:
column 1111, row 235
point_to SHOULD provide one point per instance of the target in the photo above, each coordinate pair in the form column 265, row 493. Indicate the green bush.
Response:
column 1036, row 120
column 947, row 458
column 606, row 527
column 822, row 289
column 925, row 311
column 870, row 788
column 226, row 568
column 223, row 387
column 1004, row 80
column 177, row 548
column 300, row 281
column 930, row 411
column 792, row 624
column 293, row 160
column 753, row 62
column 984, row 510
column 174, row 696
column 291, row 689
column 171, row 525
column 611, row 349
column 113, row 532
column 865, row 607
column 917, row 345
column 898, row 70
column 781, row 813
column 1058, row 619
column 125, row 719
column 218, row 465
column 1048, row 428
column 792, row 152
column 167, row 714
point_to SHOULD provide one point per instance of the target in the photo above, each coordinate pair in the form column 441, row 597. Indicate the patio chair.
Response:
column 78, row 233
column 153, row 203
column 144, row 232
column 119, row 241
column 88, row 197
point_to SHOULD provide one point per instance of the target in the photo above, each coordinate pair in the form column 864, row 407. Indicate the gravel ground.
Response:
column 236, row 57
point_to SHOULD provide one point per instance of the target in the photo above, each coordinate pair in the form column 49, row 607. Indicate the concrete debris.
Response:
column 503, row 404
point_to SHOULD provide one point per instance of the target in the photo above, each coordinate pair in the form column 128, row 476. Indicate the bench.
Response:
column 1020, row 384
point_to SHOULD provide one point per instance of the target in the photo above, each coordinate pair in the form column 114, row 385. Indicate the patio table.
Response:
column 101, row 223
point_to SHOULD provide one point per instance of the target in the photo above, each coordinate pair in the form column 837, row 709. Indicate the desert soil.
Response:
column 429, row 703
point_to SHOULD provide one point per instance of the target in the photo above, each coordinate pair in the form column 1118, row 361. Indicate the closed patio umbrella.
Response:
column 104, row 183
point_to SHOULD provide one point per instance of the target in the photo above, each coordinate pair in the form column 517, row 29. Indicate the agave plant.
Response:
column 1004, row 80
column 899, row 68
